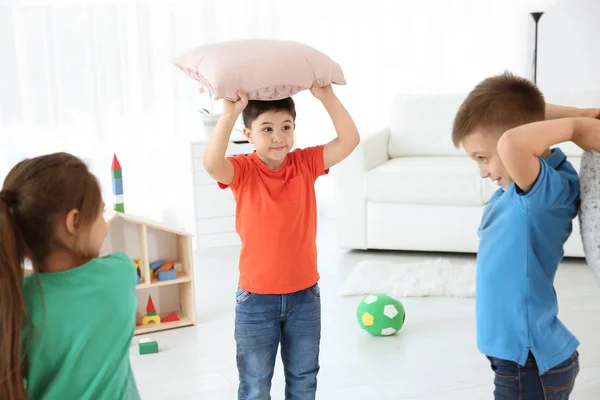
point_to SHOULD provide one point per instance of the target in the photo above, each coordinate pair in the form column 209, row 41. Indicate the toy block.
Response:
column 116, row 174
column 150, row 318
column 116, row 165
column 138, row 280
column 167, row 275
column 178, row 267
column 156, row 264
column 148, row 347
column 165, row 267
column 150, row 305
column 173, row 317
column 117, row 185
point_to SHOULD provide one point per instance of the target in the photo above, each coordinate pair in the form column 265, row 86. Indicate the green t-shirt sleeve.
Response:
column 122, row 267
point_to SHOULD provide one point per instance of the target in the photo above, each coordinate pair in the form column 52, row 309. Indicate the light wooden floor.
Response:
column 434, row 357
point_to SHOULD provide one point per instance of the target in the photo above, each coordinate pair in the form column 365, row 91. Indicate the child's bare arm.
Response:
column 348, row 138
column 519, row 148
column 215, row 163
column 554, row 111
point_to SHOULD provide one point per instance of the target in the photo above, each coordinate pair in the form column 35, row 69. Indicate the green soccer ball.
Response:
column 380, row 314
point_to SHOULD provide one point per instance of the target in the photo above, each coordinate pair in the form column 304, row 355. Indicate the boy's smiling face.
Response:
column 481, row 146
column 272, row 134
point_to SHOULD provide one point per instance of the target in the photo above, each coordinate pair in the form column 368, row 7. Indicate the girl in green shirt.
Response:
column 65, row 330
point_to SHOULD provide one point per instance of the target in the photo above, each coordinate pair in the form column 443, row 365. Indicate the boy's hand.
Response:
column 591, row 113
column 235, row 107
column 586, row 133
column 321, row 92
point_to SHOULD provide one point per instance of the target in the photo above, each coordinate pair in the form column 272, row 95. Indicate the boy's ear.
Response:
column 248, row 134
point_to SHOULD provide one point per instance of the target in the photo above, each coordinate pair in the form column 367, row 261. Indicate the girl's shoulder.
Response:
column 115, row 259
column 115, row 263
column 109, row 267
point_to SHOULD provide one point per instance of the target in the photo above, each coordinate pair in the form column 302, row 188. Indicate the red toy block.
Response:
column 150, row 307
column 173, row 317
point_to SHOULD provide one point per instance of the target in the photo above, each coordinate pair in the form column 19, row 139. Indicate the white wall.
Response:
column 568, row 56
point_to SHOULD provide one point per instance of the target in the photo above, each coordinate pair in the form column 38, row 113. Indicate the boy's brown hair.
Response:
column 497, row 104
column 257, row 107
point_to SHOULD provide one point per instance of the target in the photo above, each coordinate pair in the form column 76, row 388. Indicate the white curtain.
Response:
column 94, row 77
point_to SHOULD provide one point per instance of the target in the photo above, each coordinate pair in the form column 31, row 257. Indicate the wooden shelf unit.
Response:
column 149, row 241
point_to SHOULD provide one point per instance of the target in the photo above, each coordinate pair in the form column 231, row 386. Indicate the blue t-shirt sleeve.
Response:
column 552, row 189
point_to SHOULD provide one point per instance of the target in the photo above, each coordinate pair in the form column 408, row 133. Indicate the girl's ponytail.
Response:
column 12, row 303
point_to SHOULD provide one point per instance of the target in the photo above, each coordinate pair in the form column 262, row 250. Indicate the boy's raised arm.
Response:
column 215, row 163
column 519, row 148
column 554, row 111
column 348, row 138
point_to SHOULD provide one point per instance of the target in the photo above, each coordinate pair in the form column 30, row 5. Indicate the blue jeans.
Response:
column 515, row 382
column 262, row 322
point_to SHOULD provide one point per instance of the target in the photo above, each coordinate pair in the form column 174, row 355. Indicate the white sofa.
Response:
column 407, row 188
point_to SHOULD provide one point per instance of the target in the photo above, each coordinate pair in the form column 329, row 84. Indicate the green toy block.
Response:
column 116, row 173
column 151, row 313
column 148, row 347
column 120, row 207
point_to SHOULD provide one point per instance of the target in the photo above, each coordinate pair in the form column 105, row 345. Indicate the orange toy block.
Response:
column 167, row 265
column 173, row 317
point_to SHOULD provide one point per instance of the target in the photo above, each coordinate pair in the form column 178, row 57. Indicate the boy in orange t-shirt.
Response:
column 278, row 299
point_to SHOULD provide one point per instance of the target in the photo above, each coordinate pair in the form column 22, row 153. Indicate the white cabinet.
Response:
column 214, row 207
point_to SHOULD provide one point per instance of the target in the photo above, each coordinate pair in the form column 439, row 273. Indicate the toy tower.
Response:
column 151, row 315
column 117, row 184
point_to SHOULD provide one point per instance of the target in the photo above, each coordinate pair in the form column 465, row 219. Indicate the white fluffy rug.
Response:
column 439, row 278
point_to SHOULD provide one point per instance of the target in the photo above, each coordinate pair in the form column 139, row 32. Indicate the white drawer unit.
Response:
column 214, row 207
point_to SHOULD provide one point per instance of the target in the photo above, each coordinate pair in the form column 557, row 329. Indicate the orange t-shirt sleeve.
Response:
column 313, row 157
column 240, row 170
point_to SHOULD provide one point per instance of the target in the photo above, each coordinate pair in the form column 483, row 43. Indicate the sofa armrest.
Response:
column 371, row 152
column 350, row 185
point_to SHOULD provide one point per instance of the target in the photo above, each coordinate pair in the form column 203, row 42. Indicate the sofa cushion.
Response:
column 422, row 125
column 426, row 180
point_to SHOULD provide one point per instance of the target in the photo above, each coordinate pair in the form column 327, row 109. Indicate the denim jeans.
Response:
column 262, row 323
column 515, row 382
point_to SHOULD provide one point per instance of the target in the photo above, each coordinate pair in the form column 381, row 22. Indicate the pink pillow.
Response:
column 264, row 69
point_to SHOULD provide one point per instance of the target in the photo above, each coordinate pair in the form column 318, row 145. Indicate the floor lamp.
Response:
column 536, row 18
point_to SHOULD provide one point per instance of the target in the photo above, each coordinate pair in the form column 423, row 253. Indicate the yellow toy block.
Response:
column 150, row 318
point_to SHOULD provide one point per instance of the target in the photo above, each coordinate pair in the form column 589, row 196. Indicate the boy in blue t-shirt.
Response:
column 505, row 126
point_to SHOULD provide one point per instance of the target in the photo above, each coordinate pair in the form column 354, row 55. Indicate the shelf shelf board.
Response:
column 156, row 283
column 184, row 321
